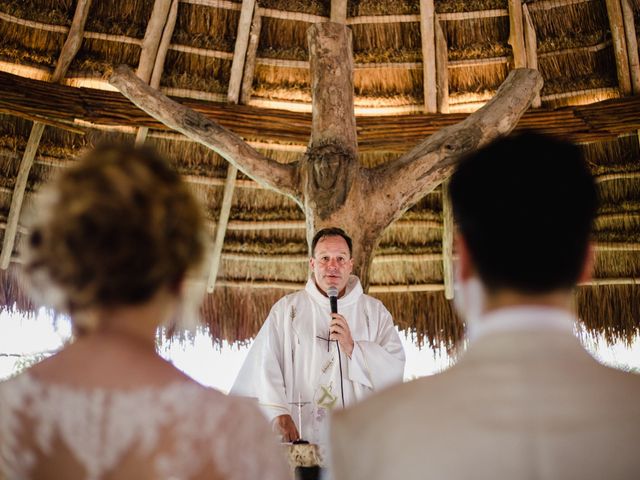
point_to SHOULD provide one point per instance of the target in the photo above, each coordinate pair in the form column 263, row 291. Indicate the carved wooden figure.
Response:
column 329, row 183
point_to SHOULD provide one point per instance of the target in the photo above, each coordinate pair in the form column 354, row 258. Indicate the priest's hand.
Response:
column 339, row 330
column 284, row 426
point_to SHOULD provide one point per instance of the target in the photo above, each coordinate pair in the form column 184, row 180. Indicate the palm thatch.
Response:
column 264, row 255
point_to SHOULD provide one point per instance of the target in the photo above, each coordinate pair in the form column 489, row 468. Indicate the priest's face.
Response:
column 331, row 264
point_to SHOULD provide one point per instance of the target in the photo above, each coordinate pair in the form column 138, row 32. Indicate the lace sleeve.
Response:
column 251, row 450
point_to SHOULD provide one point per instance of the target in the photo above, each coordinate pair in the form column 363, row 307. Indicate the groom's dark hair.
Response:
column 525, row 205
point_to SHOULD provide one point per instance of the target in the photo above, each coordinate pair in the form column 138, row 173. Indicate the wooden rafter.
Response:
column 418, row 287
column 250, row 63
column 240, row 50
column 442, row 70
column 427, row 33
column 68, row 52
column 96, row 108
column 614, row 11
column 339, row 11
column 152, row 37
column 447, row 241
column 516, row 34
column 632, row 45
column 221, row 226
column 154, row 50
column 531, row 47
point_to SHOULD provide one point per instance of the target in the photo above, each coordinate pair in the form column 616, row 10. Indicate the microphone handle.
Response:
column 334, row 304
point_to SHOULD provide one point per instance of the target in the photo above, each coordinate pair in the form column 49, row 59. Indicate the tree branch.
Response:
column 410, row 177
column 267, row 172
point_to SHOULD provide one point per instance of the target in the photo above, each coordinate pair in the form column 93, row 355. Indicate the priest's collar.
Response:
column 521, row 318
column 351, row 295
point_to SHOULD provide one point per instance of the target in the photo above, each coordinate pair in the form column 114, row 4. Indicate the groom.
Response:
column 525, row 400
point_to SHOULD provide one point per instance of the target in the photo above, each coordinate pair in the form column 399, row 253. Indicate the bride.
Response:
column 112, row 247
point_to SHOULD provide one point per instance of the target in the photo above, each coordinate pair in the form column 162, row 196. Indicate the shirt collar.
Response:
column 351, row 295
column 521, row 318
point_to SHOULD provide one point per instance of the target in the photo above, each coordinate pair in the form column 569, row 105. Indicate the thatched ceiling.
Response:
column 574, row 43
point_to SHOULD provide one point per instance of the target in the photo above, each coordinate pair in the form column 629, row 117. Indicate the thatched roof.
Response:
column 588, row 97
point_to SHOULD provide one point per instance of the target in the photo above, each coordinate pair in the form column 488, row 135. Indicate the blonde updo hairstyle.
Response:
column 112, row 231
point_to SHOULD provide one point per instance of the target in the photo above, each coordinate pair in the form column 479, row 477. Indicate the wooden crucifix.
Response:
column 329, row 183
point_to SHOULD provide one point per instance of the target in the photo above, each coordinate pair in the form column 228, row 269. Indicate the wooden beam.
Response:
column 447, row 241
column 102, row 109
column 240, row 51
column 68, row 52
column 616, row 23
column 252, row 226
column 551, row 4
column 221, row 227
column 252, row 54
column 427, row 33
column 332, row 119
column 164, row 42
column 458, row 16
column 408, row 178
column 73, row 41
column 242, row 41
column 531, row 47
column 419, row 287
column 632, row 45
column 339, row 11
column 230, row 146
column 152, row 38
column 18, row 194
column 442, row 67
column 516, row 34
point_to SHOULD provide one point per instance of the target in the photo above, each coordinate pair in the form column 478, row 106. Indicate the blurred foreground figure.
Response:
column 117, row 236
column 525, row 401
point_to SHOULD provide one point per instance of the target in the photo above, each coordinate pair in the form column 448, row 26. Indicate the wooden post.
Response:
column 427, row 33
column 619, row 45
column 240, row 51
column 531, row 47
column 152, row 38
column 632, row 45
column 161, row 54
column 442, row 73
column 447, row 241
column 68, row 52
column 74, row 40
column 516, row 35
column 221, row 226
column 250, row 63
column 331, row 157
column 339, row 11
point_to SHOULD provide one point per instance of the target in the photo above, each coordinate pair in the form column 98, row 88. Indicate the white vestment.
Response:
column 292, row 362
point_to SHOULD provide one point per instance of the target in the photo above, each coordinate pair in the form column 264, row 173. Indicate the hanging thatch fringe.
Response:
column 13, row 291
column 428, row 317
column 236, row 315
column 610, row 311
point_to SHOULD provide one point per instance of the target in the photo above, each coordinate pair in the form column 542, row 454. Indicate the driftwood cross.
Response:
column 329, row 184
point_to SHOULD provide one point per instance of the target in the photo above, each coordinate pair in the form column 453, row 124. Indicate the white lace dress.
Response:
column 181, row 431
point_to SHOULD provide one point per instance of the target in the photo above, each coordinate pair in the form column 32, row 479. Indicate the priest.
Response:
column 306, row 360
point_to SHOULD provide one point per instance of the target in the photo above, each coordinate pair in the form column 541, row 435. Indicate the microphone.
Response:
column 332, row 293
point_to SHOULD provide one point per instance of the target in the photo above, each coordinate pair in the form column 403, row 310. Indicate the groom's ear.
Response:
column 466, row 267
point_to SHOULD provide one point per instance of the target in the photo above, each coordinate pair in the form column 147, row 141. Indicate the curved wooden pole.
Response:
column 265, row 171
column 410, row 177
